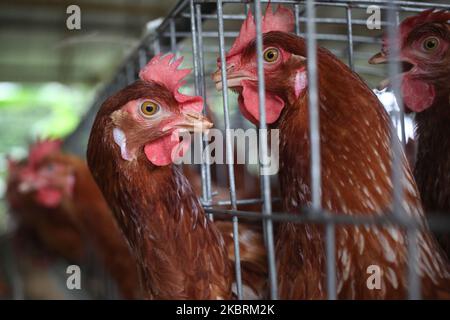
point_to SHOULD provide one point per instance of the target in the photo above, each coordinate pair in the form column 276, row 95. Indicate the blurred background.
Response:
column 49, row 74
column 48, row 79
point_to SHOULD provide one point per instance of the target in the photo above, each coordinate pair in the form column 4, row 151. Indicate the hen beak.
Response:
column 30, row 185
column 217, row 78
column 379, row 58
column 234, row 78
column 25, row 187
column 193, row 122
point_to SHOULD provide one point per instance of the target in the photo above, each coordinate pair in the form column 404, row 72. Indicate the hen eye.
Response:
column 430, row 43
column 271, row 54
column 149, row 108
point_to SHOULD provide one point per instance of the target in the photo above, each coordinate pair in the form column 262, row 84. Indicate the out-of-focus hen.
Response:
column 33, row 211
column 425, row 86
column 67, row 210
column 355, row 166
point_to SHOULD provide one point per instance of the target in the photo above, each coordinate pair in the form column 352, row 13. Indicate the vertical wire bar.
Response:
column 229, row 150
column 315, row 145
column 414, row 292
column 129, row 72
column 12, row 269
column 117, row 82
column 331, row 258
column 263, row 148
column 173, row 38
column 148, row 48
column 313, row 105
column 397, row 172
column 297, row 19
column 401, row 111
column 121, row 80
column 201, row 60
column 142, row 57
column 247, row 8
column 350, row 37
column 156, row 46
column 195, row 54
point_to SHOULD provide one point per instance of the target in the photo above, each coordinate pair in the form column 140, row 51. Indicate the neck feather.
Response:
column 180, row 253
column 433, row 156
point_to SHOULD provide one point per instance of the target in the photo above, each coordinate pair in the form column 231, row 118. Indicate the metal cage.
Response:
column 202, row 30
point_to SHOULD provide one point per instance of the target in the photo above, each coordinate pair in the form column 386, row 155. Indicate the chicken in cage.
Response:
column 278, row 150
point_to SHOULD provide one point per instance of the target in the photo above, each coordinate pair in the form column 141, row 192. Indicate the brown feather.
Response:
column 99, row 226
column 51, row 228
column 180, row 253
column 356, row 179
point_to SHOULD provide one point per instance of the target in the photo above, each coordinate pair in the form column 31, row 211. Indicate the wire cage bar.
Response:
column 203, row 31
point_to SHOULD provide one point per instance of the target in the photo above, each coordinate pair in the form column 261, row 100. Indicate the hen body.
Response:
column 81, row 223
column 180, row 254
column 252, row 249
column 356, row 180
column 179, row 251
column 355, row 166
column 100, row 228
column 425, row 87
column 52, row 228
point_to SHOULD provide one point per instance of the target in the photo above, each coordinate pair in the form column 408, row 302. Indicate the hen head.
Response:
column 284, row 67
column 425, row 57
column 146, row 117
column 44, row 177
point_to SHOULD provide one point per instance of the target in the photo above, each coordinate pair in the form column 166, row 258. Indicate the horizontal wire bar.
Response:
column 435, row 222
column 402, row 5
column 241, row 17
column 229, row 149
column 241, row 202
column 177, row 12
column 319, row 36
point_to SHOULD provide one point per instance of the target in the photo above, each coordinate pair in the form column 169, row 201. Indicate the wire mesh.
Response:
column 203, row 30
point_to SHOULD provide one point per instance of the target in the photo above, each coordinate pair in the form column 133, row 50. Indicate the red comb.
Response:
column 427, row 16
column 164, row 70
column 280, row 20
column 41, row 149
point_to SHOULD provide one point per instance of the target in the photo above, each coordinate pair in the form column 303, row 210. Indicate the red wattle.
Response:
column 247, row 115
column 417, row 95
column 249, row 104
column 160, row 151
column 49, row 197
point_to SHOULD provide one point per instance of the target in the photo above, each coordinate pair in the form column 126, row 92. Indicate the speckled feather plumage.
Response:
column 180, row 253
column 356, row 179
column 100, row 228
column 82, row 223
column 432, row 168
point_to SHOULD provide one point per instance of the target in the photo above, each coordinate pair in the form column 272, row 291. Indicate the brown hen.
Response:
column 56, row 197
column 355, row 165
column 425, row 87
column 180, row 252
